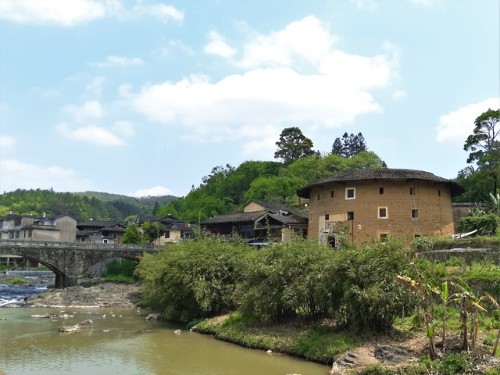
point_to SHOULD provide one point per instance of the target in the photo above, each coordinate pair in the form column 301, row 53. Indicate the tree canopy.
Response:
column 484, row 145
column 293, row 145
column 349, row 145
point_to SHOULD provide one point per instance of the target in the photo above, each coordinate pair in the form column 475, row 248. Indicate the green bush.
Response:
column 122, row 267
column 371, row 300
column 287, row 281
column 484, row 223
column 192, row 280
column 454, row 363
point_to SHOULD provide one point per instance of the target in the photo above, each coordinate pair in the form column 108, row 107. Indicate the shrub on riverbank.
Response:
column 121, row 270
column 192, row 280
column 300, row 280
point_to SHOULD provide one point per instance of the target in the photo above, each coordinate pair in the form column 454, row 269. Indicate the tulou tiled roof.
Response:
column 382, row 174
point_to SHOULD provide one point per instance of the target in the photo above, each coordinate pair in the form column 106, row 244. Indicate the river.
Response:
column 123, row 343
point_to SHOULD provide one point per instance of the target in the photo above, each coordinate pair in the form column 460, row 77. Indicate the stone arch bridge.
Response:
column 68, row 260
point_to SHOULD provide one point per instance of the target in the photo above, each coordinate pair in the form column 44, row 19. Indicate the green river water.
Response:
column 126, row 344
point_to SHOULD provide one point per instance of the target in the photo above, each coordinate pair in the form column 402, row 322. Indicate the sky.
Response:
column 144, row 98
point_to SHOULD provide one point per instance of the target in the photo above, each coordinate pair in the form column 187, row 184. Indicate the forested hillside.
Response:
column 83, row 206
column 227, row 188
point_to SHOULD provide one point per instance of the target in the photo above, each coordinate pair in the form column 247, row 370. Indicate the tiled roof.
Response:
column 382, row 174
column 97, row 223
column 234, row 218
column 289, row 219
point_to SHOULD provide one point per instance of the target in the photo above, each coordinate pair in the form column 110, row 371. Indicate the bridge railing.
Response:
column 78, row 245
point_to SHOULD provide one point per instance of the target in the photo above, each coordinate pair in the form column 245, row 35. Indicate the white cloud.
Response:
column 165, row 13
column 274, row 91
column 69, row 13
column 118, row 61
column 91, row 109
column 56, row 12
column 6, row 141
column 459, row 124
column 218, row 46
column 90, row 134
column 18, row 175
column 154, row 191
column 304, row 40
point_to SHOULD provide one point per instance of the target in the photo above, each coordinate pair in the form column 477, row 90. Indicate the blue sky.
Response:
column 146, row 97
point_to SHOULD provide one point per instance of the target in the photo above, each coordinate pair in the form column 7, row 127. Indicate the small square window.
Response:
column 327, row 217
column 350, row 215
column 384, row 237
column 414, row 213
column 350, row 193
column 381, row 190
column 413, row 191
column 383, row 213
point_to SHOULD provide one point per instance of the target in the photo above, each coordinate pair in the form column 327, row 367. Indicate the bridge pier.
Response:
column 63, row 281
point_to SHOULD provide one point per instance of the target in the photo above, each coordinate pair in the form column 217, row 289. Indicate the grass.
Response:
column 15, row 281
column 313, row 342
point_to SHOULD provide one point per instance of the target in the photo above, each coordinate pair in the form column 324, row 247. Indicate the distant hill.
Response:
column 83, row 206
column 147, row 201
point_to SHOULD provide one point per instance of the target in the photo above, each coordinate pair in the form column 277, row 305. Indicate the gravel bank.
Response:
column 106, row 294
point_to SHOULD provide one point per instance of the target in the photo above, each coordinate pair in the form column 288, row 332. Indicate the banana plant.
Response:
column 424, row 291
column 443, row 292
column 470, row 305
column 496, row 305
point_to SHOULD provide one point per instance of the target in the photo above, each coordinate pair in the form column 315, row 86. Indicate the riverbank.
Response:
column 317, row 342
column 105, row 294
column 390, row 354
column 90, row 294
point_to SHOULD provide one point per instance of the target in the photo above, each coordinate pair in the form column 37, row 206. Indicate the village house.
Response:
column 371, row 205
column 173, row 230
column 60, row 228
column 259, row 222
column 98, row 231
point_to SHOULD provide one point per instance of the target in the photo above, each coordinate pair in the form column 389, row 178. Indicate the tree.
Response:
column 293, row 145
column 484, row 145
column 349, row 145
column 131, row 235
column 152, row 231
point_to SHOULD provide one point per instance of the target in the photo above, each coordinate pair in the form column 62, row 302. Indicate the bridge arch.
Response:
column 69, row 260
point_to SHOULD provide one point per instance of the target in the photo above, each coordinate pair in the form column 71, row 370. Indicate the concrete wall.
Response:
column 329, row 207
column 45, row 234
column 67, row 227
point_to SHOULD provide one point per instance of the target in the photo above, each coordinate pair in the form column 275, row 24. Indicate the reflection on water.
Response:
column 127, row 345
